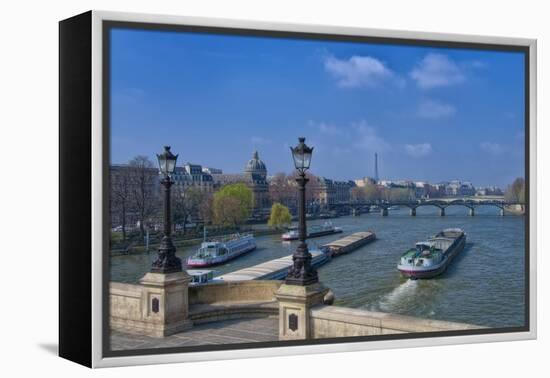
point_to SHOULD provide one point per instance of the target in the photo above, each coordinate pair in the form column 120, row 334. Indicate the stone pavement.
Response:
column 224, row 332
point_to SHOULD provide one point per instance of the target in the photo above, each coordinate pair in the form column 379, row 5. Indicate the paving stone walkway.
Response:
column 225, row 332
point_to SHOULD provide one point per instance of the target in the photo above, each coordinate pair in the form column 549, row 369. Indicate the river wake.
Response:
column 395, row 299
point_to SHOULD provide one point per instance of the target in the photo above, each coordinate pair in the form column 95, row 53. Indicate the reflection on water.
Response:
column 484, row 285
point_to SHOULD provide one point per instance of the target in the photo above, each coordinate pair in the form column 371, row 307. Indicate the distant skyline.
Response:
column 431, row 114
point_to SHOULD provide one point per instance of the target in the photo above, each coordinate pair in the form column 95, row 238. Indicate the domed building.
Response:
column 255, row 166
column 256, row 173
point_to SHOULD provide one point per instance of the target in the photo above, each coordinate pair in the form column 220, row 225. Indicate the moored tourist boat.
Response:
column 314, row 231
column 431, row 257
column 200, row 276
column 222, row 250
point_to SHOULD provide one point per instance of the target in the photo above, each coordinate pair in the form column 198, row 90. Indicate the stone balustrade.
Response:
column 220, row 301
column 334, row 321
column 233, row 291
column 162, row 309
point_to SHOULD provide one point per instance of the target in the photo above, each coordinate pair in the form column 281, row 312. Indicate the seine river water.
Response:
column 484, row 285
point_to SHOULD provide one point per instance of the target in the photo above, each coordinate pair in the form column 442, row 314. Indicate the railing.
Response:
column 441, row 203
column 334, row 321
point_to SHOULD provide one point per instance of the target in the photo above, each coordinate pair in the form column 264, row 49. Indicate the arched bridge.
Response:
column 442, row 204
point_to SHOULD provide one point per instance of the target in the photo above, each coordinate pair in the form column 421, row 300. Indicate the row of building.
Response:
column 423, row 189
column 322, row 190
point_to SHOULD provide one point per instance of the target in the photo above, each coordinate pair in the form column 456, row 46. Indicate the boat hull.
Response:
column 289, row 238
column 422, row 272
column 218, row 260
column 312, row 235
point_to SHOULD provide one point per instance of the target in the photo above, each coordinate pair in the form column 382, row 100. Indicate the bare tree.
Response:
column 368, row 193
column 205, row 208
column 144, row 191
column 187, row 201
column 283, row 189
column 358, row 194
column 120, row 195
column 313, row 188
column 515, row 193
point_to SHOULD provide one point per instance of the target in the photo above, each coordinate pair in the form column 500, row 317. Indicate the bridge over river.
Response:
column 442, row 204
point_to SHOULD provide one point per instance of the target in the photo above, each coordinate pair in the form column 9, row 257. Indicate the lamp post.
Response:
column 167, row 261
column 302, row 273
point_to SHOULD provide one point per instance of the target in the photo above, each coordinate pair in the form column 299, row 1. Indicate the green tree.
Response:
column 280, row 216
column 521, row 195
column 232, row 204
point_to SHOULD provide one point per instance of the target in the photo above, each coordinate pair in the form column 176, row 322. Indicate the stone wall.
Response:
column 220, row 301
column 132, row 310
column 131, row 305
column 125, row 301
column 235, row 291
column 157, row 307
column 333, row 321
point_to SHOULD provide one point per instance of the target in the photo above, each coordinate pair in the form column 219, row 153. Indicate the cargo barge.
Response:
column 350, row 243
column 430, row 258
column 273, row 270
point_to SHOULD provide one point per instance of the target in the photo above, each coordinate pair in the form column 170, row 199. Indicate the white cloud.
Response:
column 418, row 150
column 327, row 128
column 358, row 71
column 436, row 70
column 492, row 148
column 367, row 138
column 434, row 109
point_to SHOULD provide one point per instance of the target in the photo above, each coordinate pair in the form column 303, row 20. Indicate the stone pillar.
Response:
column 442, row 211
column 295, row 301
column 502, row 212
column 413, row 212
column 384, row 212
column 165, row 303
column 472, row 212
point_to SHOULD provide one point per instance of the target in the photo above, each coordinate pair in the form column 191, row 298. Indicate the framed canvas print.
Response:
column 232, row 189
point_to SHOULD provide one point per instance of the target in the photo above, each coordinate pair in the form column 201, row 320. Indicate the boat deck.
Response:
column 350, row 242
column 278, row 268
column 274, row 269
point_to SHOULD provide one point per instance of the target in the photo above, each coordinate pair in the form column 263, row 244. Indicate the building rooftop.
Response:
column 255, row 165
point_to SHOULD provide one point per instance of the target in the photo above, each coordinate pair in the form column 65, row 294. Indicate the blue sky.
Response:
column 431, row 113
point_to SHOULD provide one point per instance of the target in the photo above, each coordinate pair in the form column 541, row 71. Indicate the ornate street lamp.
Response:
column 301, row 272
column 167, row 261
